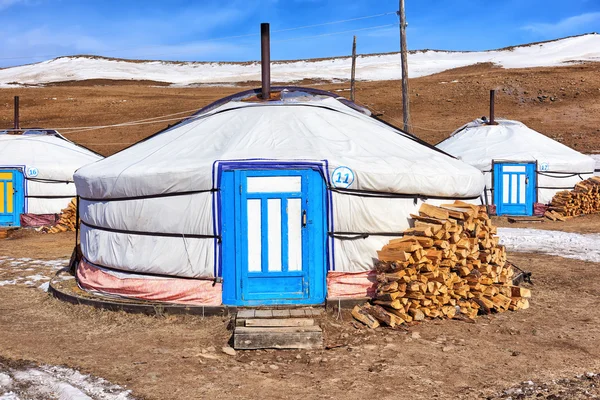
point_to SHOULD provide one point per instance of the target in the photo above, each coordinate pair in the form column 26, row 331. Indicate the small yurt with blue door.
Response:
column 36, row 175
column 258, row 202
column 521, row 166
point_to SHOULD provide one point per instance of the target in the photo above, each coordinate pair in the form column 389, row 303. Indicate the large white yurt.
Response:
column 36, row 175
column 258, row 202
column 521, row 166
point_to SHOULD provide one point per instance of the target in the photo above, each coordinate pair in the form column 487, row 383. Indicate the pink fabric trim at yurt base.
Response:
column 35, row 220
column 351, row 284
column 172, row 290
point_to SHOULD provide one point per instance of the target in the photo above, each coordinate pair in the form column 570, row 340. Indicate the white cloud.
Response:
column 185, row 35
column 566, row 26
column 7, row 3
column 46, row 42
column 198, row 51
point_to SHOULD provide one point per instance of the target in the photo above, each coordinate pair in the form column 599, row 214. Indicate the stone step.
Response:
column 274, row 322
column 285, row 313
column 300, row 337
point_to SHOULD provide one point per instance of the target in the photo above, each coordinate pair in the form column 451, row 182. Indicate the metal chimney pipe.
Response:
column 17, row 123
column 492, row 100
column 265, row 60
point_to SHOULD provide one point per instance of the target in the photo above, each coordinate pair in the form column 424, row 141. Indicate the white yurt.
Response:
column 254, row 202
column 522, row 167
column 36, row 175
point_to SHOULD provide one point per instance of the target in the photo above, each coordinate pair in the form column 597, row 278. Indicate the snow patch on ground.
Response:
column 49, row 382
column 597, row 158
column 369, row 67
column 29, row 272
column 5, row 380
column 565, row 244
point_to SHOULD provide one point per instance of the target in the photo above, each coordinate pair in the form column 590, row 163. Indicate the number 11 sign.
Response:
column 342, row 177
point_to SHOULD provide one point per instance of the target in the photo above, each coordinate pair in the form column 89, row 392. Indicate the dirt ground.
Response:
column 562, row 103
column 174, row 357
column 166, row 357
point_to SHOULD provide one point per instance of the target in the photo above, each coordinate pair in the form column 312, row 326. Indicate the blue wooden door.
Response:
column 11, row 197
column 514, row 188
column 279, row 237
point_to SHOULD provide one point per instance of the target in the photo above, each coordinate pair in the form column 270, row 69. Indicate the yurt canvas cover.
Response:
column 253, row 202
column 521, row 166
column 36, row 173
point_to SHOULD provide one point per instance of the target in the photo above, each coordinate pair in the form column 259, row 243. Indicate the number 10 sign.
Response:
column 342, row 177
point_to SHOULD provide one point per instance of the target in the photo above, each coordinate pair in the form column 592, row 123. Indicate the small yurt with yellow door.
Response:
column 36, row 175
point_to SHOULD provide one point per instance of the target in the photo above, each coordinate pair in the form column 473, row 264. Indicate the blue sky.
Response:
column 203, row 30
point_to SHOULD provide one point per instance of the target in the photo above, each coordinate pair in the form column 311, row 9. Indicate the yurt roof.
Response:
column 54, row 156
column 300, row 124
column 478, row 144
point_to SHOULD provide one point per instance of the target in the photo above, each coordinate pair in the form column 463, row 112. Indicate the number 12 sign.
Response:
column 342, row 177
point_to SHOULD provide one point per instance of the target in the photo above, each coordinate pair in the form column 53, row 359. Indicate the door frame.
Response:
column 230, row 264
column 18, row 202
column 531, row 192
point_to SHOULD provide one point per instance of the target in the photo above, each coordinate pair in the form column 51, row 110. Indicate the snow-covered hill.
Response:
column 369, row 67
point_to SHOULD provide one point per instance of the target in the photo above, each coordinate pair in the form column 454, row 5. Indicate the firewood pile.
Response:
column 67, row 220
column 449, row 265
column 583, row 199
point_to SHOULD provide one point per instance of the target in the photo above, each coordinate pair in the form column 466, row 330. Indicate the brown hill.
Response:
column 561, row 102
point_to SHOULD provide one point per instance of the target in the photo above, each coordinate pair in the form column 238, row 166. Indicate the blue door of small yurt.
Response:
column 11, row 197
column 514, row 188
column 274, row 236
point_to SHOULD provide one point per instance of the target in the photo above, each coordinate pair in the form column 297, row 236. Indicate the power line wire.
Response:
column 396, row 120
column 155, row 120
column 335, row 22
column 335, row 33
column 145, row 121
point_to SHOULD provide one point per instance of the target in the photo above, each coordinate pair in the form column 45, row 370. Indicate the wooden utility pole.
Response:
column 17, row 122
column 404, row 58
column 353, row 73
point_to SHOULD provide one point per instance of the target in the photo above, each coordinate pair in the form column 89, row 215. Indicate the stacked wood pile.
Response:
column 583, row 199
column 449, row 265
column 67, row 220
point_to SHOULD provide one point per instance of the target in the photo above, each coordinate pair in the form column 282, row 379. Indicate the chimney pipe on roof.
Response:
column 492, row 121
column 265, row 60
column 17, row 123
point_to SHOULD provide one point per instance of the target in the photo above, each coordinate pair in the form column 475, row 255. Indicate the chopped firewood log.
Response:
column 430, row 211
column 395, row 304
column 380, row 314
column 416, row 314
column 389, row 297
column 419, row 231
column 360, row 314
column 517, row 291
column 406, row 246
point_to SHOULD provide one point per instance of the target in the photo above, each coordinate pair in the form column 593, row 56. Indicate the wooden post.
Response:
column 492, row 120
column 265, row 60
column 404, row 58
column 17, row 122
column 353, row 74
